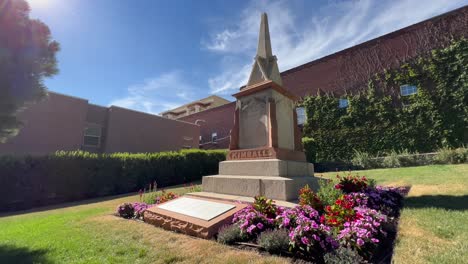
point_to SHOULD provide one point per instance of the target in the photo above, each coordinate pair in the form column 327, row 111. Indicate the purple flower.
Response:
column 260, row 226
column 250, row 229
column 360, row 242
column 305, row 240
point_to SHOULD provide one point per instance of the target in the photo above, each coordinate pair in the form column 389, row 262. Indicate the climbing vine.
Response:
column 379, row 119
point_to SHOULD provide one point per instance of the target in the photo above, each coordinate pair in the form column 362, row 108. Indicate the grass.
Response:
column 88, row 233
column 433, row 228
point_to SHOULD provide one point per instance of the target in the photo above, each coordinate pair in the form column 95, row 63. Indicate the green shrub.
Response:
column 308, row 197
column 327, row 192
column 27, row 181
column 392, row 160
column 363, row 159
column 229, row 234
column 343, row 255
column 274, row 241
column 451, row 156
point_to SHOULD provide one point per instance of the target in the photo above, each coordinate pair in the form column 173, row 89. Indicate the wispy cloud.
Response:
column 155, row 95
column 297, row 40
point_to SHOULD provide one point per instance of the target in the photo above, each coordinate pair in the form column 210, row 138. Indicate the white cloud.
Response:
column 297, row 40
column 155, row 95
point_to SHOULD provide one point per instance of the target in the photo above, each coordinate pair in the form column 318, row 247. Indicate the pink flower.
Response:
column 360, row 242
column 305, row 240
column 260, row 226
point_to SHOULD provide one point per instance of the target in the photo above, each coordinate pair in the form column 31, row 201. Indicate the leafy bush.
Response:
column 265, row 206
column 351, row 183
column 363, row 159
column 327, row 192
column 392, row 160
column 308, row 197
column 229, row 234
column 451, row 156
column 126, row 210
column 74, row 175
column 274, row 241
column 343, row 255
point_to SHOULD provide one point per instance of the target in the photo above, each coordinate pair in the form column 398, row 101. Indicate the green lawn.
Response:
column 433, row 228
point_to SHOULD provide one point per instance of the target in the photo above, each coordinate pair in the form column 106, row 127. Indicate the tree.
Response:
column 27, row 56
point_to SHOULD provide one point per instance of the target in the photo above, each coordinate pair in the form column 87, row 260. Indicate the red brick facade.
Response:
column 59, row 123
column 349, row 69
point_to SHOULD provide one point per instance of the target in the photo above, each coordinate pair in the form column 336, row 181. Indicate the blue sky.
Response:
column 153, row 55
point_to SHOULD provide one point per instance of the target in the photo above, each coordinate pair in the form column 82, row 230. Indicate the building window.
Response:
column 343, row 103
column 301, row 115
column 214, row 136
column 200, row 139
column 92, row 135
column 407, row 89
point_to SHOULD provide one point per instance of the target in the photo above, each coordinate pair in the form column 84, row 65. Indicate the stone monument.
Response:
column 265, row 154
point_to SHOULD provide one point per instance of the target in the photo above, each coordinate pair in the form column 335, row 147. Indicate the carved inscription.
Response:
column 250, row 154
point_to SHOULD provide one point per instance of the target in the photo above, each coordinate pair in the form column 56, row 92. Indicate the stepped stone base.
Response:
column 273, row 178
column 266, row 167
column 277, row 188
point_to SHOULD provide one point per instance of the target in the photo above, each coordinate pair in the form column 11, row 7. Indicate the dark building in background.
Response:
column 348, row 70
column 62, row 122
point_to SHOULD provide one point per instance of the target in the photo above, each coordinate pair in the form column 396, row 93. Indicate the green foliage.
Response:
column 26, row 49
column 27, row 181
column 343, row 255
column 265, row 206
column 327, row 192
column 391, row 160
column 404, row 159
column 452, row 156
column 274, row 241
column 308, row 197
column 363, row 160
column 229, row 234
column 379, row 120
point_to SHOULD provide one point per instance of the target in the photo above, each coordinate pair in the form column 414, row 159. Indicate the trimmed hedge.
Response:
column 28, row 181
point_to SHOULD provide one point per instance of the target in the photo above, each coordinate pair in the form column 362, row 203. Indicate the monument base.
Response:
column 277, row 188
column 266, row 167
column 273, row 178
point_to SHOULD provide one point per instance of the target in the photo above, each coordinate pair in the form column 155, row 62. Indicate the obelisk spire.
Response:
column 264, row 42
column 265, row 67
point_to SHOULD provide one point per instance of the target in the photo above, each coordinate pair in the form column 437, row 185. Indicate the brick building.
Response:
column 62, row 122
column 347, row 70
column 195, row 107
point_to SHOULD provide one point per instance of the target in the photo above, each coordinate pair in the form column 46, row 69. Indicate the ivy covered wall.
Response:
column 379, row 119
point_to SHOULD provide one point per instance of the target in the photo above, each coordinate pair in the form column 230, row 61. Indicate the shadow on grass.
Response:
column 448, row 202
column 83, row 202
column 13, row 254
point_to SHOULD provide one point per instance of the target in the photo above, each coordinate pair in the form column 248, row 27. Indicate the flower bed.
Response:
column 351, row 220
column 356, row 226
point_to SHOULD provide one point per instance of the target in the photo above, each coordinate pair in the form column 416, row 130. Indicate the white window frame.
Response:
column 214, row 137
column 301, row 118
column 408, row 89
column 92, row 135
column 343, row 103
